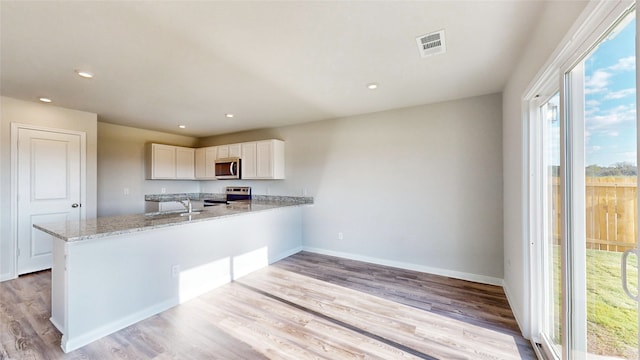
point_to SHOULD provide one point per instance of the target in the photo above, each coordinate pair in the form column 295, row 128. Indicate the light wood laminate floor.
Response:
column 307, row 306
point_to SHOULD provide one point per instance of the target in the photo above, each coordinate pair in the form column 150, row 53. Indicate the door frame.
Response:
column 15, row 128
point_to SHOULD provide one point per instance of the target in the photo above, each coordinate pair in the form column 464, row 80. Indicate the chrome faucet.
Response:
column 187, row 205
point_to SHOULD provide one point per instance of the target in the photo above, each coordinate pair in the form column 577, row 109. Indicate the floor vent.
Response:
column 431, row 44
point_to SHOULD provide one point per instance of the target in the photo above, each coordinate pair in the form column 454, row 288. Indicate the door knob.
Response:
column 75, row 205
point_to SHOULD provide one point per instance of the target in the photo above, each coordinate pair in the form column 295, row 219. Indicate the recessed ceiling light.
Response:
column 372, row 86
column 44, row 99
column 182, row 126
column 84, row 74
column 228, row 115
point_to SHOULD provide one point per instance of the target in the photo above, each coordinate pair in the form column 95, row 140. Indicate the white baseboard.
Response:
column 78, row 341
column 483, row 279
column 57, row 324
column 7, row 276
column 523, row 330
column 284, row 254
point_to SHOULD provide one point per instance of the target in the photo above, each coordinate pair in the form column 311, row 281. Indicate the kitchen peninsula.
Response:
column 109, row 273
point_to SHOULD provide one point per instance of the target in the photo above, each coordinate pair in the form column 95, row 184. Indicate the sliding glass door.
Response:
column 586, row 258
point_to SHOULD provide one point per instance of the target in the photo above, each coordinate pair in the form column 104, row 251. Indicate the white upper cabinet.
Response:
column 229, row 151
column 170, row 162
column 161, row 161
column 185, row 163
column 205, row 163
column 263, row 160
column 223, row 152
column 235, row 150
column 260, row 160
column 200, row 158
column 248, row 162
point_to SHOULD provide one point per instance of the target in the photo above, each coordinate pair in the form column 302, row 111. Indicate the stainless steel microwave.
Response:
column 228, row 168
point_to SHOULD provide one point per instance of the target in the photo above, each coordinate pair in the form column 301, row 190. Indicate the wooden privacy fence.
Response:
column 611, row 215
column 611, row 212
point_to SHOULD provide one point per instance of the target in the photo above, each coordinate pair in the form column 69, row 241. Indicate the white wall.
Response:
column 121, row 164
column 553, row 24
column 25, row 112
column 418, row 187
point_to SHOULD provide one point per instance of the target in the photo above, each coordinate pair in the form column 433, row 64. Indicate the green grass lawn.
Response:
column 612, row 317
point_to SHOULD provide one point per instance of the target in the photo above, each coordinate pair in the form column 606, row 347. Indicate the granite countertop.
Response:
column 72, row 231
column 184, row 196
column 214, row 196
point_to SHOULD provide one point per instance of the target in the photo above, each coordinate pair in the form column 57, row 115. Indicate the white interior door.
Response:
column 49, row 190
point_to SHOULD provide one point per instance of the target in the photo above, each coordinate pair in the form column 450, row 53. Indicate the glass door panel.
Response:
column 551, row 267
column 610, row 194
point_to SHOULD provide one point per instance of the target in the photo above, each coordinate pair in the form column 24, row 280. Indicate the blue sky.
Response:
column 610, row 100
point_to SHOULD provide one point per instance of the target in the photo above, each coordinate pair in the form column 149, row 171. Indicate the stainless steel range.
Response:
column 238, row 193
column 234, row 194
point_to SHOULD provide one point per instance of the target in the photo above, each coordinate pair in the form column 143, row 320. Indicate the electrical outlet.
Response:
column 126, row 191
column 175, row 271
column 340, row 236
column 163, row 190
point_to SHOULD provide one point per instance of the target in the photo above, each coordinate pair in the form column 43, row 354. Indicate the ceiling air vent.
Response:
column 431, row 44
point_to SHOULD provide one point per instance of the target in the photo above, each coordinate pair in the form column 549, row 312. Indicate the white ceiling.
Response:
column 160, row 64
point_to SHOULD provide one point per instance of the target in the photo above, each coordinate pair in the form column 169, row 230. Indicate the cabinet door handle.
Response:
column 75, row 205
